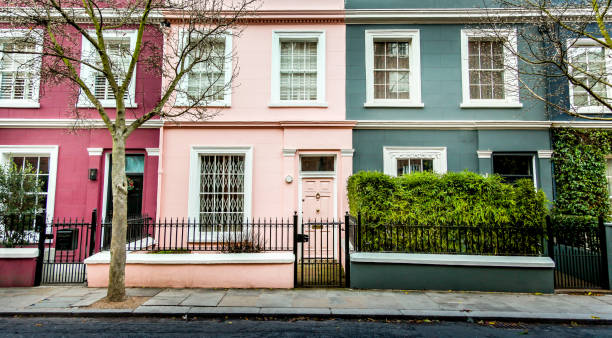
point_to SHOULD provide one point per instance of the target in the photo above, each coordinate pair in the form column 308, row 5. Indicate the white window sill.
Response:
column 298, row 104
column 106, row 105
column 398, row 104
column 210, row 105
column 591, row 110
column 492, row 104
column 18, row 104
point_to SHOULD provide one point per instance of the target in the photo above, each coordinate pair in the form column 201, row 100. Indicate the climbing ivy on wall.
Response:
column 580, row 171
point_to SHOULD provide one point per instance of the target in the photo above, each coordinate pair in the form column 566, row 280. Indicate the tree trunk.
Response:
column 116, row 274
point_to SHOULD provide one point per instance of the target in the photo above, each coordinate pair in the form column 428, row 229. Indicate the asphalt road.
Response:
column 161, row 327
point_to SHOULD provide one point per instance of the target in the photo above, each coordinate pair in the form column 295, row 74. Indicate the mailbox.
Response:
column 67, row 239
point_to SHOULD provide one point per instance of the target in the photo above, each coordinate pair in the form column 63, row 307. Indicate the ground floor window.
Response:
column 40, row 170
column 222, row 179
column 512, row 167
column 414, row 165
column 406, row 160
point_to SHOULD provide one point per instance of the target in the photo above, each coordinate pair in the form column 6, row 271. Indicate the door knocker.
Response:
column 318, row 196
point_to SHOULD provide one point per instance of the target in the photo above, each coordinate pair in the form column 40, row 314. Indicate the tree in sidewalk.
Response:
column 47, row 35
column 560, row 42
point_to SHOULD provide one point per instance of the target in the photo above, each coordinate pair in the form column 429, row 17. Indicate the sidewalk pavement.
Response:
column 74, row 301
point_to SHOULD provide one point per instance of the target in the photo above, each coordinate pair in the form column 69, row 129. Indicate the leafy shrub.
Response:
column 417, row 213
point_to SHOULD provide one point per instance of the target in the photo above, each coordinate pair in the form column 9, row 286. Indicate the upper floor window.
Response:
column 208, row 82
column 120, row 46
column 393, row 70
column 588, row 65
column 298, row 69
column 19, row 68
column 489, row 69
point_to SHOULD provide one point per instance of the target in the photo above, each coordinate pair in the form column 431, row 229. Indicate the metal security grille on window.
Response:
column 486, row 66
column 298, row 78
column 16, row 82
column 119, row 54
column 40, row 167
column 206, row 81
column 588, row 67
column 222, row 189
column 414, row 165
column 392, row 70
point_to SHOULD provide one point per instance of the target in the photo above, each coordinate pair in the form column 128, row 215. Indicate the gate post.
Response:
column 295, row 243
column 94, row 225
column 42, row 237
column 603, row 250
column 347, row 250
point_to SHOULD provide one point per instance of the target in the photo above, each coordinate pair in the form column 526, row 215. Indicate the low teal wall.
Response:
column 482, row 273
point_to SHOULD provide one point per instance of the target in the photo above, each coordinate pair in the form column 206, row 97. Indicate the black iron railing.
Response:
column 187, row 235
column 498, row 240
column 20, row 230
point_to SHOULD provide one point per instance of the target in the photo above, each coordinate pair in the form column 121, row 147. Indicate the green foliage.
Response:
column 17, row 203
column 580, row 171
column 451, row 213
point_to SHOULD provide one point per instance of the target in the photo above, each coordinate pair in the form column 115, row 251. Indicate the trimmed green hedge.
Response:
column 459, row 199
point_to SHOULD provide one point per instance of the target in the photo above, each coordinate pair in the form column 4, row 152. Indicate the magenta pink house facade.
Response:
column 279, row 142
column 37, row 127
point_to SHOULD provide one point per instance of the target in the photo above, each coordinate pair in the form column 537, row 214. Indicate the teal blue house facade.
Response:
column 429, row 90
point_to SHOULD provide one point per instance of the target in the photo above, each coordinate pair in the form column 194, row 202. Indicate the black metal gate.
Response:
column 67, row 243
column 579, row 252
column 321, row 249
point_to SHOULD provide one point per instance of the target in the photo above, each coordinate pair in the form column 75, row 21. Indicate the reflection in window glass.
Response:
column 318, row 163
column 414, row 165
column 513, row 166
column 40, row 168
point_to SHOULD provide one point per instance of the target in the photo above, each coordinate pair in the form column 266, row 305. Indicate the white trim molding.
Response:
column 545, row 153
column 17, row 253
column 392, row 154
column 287, row 152
column 152, row 151
column 484, row 153
column 194, row 175
column 347, row 152
column 95, row 151
column 511, row 79
column 279, row 36
column 414, row 58
column 455, row 125
column 68, row 123
column 88, row 74
column 198, row 258
column 39, row 150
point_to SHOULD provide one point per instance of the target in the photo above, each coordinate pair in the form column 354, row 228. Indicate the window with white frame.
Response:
column 120, row 46
column 208, row 82
column 513, row 166
column 220, row 186
column 489, row 69
column 393, row 68
column 298, row 68
column 589, row 64
column 43, row 161
column 19, row 67
column 406, row 160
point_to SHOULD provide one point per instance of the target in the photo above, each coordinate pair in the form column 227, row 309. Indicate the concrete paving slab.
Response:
column 165, row 301
column 295, row 311
column 142, row 292
column 310, row 302
column 236, row 310
column 163, row 309
column 271, row 300
column 604, row 298
column 88, row 301
column 203, row 298
column 237, row 300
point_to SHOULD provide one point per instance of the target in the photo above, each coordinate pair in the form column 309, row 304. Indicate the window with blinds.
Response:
column 206, row 81
column 118, row 51
column 16, row 73
column 298, row 71
column 222, row 190
column 486, row 69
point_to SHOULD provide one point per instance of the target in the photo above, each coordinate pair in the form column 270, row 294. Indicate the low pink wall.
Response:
column 272, row 276
column 17, row 272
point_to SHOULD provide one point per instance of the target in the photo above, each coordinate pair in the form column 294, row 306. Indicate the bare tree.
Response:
column 47, row 34
column 564, row 52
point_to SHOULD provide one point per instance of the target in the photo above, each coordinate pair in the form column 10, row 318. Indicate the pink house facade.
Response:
column 279, row 142
column 37, row 126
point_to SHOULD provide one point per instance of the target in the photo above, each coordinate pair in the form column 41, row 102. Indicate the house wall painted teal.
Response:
column 441, row 122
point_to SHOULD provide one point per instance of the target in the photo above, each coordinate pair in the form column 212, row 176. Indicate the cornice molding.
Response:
column 457, row 125
column 95, row 151
column 67, row 123
column 450, row 15
column 260, row 124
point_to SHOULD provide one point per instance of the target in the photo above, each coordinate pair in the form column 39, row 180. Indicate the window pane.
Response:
column 427, row 165
column 299, row 75
column 221, row 189
column 391, row 75
column 134, row 164
column 403, row 167
column 318, row 163
column 513, row 167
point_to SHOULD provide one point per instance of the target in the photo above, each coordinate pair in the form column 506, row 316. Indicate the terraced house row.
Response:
column 325, row 88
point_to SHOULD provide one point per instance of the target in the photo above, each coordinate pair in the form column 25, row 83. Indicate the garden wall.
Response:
column 17, row 266
column 197, row 270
